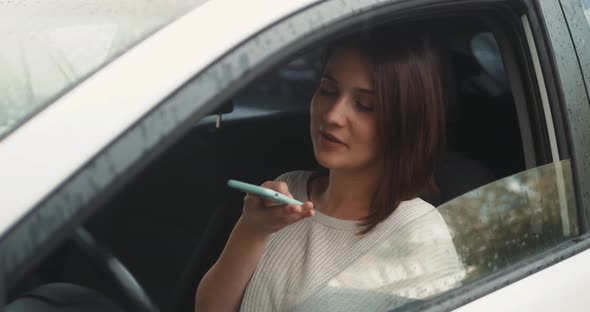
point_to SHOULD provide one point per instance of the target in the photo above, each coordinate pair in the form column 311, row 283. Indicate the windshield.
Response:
column 484, row 231
column 49, row 46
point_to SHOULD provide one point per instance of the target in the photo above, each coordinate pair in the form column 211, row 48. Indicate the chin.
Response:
column 330, row 161
column 340, row 161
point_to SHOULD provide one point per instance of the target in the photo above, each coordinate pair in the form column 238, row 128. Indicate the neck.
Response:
column 347, row 195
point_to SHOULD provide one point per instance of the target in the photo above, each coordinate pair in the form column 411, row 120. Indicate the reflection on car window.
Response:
column 47, row 46
column 586, row 5
column 489, row 229
column 510, row 219
column 289, row 88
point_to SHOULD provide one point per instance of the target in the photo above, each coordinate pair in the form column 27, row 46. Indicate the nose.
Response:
column 335, row 114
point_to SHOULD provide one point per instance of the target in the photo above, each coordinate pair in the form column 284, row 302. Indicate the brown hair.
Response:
column 406, row 73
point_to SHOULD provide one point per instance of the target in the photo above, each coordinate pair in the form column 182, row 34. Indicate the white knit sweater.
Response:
column 320, row 263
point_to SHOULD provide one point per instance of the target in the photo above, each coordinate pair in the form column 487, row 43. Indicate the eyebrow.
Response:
column 361, row 90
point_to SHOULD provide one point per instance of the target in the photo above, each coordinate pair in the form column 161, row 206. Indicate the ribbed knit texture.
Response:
column 318, row 262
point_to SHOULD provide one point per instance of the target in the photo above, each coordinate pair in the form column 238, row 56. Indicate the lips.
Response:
column 331, row 138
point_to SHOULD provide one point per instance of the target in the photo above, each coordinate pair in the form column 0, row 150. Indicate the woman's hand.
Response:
column 244, row 248
column 264, row 217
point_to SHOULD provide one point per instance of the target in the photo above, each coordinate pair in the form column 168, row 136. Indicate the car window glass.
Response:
column 288, row 88
column 48, row 46
column 586, row 5
column 463, row 240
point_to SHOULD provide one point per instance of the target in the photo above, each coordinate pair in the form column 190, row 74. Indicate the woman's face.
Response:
column 343, row 122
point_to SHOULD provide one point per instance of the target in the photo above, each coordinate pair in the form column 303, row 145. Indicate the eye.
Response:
column 362, row 107
column 328, row 88
column 327, row 91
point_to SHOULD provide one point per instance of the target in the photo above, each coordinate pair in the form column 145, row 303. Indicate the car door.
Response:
column 58, row 161
column 549, row 107
column 558, row 35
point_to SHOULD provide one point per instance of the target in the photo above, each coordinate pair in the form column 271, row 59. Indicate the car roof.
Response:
column 47, row 149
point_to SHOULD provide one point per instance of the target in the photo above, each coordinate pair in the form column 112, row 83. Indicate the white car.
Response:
column 121, row 122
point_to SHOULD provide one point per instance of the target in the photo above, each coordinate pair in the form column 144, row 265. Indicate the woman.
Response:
column 377, row 125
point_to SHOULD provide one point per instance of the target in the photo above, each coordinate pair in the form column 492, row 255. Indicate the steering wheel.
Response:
column 117, row 271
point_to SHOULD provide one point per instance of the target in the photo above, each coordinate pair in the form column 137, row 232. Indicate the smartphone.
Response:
column 262, row 192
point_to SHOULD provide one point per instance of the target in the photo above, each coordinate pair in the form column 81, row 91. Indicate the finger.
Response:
column 293, row 209
column 292, row 218
column 295, row 217
column 271, row 203
column 252, row 200
column 278, row 186
column 282, row 187
column 307, row 209
column 303, row 211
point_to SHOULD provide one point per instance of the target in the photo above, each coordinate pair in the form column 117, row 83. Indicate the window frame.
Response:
column 569, row 104
column 579, row 29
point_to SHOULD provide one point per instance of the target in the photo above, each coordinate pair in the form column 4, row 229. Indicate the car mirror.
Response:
column 225, row 108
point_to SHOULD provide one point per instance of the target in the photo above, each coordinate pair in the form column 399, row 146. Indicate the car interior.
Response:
column 169, row 224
